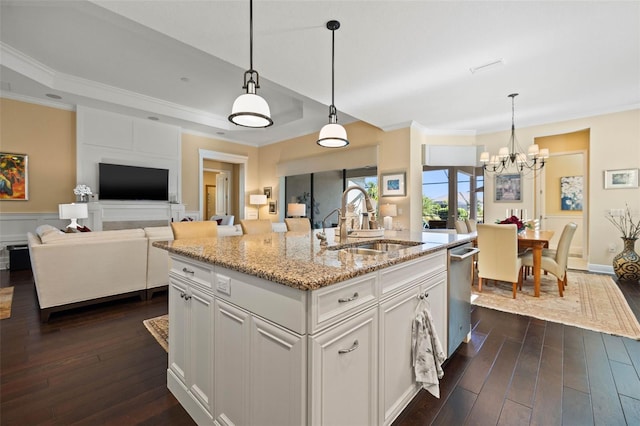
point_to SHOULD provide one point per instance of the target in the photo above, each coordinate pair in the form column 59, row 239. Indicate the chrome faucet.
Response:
column 322, row 236
column 343, row 211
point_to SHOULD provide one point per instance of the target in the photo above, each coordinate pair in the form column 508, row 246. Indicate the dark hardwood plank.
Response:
column 488, row 406
column 631, row 409
column 523, row 384
column 616, row 350
column 576, row 408
column 547, row 407
column 626, row 379
column 514, row 414
column 457, row 408
column 574, row 362
column 604, row 396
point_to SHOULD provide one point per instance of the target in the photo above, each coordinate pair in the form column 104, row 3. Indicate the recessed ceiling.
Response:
column 397, row 62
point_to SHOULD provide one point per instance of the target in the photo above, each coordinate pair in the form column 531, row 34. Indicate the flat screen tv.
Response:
column 119, row 182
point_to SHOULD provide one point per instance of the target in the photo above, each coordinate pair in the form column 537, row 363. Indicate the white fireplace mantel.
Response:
column 124, row 212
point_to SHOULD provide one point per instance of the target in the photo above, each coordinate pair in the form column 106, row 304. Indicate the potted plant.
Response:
column 626, row 264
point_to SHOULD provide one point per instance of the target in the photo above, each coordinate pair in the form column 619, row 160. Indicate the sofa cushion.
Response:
column 159, row 233
column 43, row 230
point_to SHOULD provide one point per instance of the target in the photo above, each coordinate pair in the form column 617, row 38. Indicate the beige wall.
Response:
column 48, row 136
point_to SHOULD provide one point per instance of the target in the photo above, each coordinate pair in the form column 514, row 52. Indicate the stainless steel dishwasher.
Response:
column 459, row 262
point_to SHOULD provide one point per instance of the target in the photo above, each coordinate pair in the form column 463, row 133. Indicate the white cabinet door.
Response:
column 344, row 372
column 178, row 329
column 231, row 361
column 200, row 373
column 435, row 290
column 277, row 376
column 397, row 379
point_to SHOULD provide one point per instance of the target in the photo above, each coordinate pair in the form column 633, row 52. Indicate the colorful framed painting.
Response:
column 14, row 177
column 393, row 185
column 508, row 188
column 623, row 178
column 571, row 190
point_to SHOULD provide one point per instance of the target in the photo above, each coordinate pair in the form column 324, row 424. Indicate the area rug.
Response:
column 590, row 301
column 159, row 329
column 6, row 298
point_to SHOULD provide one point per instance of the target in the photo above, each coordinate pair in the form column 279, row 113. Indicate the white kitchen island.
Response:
column 275, row 329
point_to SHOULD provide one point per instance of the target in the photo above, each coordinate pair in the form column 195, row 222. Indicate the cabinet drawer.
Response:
column 194, row 271
column 405, row 274
column 333, row 303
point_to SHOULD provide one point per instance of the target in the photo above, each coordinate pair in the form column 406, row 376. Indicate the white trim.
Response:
column 218, row 137
column 600, row 269
column 31, row 100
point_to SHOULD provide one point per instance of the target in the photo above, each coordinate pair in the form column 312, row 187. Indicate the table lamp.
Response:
column 74, row 212
column 388, row 212
column 258, row 200
column 296, row 209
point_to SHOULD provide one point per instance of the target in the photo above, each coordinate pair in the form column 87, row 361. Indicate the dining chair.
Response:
column 295, row 224
column 472, row 225
column 256, row 226
column 498, row 255
column 195, row 229
column 461, row 227
column 555, row 261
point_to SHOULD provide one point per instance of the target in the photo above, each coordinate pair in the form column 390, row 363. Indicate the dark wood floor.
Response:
column 99, row 365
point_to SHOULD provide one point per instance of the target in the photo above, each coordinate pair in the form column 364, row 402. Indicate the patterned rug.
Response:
column 590, row 301
column 159, row 329
column 6, row 298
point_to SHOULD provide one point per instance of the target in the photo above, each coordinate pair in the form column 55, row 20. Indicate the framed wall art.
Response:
column 393, row 185
column 14, row 177
column 571, row 192
column 267, row 192
column 273, row 207
column 622, row 178
column 508, row 188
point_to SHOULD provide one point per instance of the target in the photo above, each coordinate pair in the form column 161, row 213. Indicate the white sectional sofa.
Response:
column 78, row 269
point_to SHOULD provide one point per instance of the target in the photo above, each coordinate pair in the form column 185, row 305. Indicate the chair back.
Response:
column 197, row 229
column 472, row 225
column 256, row 226
column 298, row 224
column 461, row 227
column 498, row 256
column 562, row 252
column 225, row 219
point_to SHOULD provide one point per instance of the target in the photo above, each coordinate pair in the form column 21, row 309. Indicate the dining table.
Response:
column 536, row 240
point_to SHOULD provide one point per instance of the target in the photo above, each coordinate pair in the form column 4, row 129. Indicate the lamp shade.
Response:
column 333, row 135
column 296, row 209
column 73, row 212
column 251, row 110
column 258, row 199
column 388, row 210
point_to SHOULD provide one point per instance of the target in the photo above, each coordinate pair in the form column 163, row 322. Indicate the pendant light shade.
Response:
column 333, row 135
column 250, row 109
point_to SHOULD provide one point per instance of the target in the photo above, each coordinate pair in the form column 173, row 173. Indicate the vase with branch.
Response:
column 626, row 264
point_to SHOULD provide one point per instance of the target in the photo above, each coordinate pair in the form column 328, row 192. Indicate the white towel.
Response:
column 428, row 355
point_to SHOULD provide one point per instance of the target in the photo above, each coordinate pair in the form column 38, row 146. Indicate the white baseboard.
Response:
column 600, row 269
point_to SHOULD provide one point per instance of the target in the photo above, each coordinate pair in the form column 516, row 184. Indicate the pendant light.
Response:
column 333, row 135
column 250, row 109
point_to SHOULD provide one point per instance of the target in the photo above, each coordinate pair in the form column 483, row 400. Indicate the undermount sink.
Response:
column 372, row 248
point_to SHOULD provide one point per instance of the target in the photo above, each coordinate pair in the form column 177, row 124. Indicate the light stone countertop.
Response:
column 297, row 259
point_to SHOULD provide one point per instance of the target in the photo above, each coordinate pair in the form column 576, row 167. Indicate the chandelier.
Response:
column 512, row 159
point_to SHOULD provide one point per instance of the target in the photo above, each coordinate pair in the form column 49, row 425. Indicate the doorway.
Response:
column 234, row 188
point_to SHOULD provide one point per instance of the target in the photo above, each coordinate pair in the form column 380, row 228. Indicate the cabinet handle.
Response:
column 423, row 295
column 182, row 295
column 188, row 271
column 187, row 297
column 348, row 299
column 351, row 349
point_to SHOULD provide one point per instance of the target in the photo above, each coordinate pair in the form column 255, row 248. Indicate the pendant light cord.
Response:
column 250, row 35
column 333, row 66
